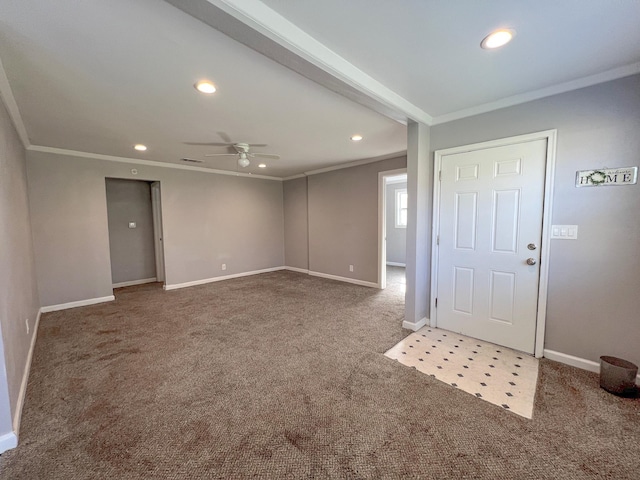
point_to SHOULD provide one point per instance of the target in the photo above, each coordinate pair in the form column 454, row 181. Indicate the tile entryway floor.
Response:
column 495, row 374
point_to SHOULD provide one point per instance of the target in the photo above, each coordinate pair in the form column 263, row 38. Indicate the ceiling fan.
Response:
column 241, row 151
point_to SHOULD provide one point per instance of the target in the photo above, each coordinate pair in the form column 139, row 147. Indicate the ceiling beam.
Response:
column 257, row 26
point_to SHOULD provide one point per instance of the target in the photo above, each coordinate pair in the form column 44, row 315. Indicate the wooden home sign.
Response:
column 605, row 177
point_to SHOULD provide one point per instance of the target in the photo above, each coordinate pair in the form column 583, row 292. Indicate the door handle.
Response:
column 531, row 261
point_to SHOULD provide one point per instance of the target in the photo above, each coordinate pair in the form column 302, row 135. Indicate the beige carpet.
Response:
column 282, row 375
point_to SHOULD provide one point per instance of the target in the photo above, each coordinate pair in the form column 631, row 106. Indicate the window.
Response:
column 401, row 208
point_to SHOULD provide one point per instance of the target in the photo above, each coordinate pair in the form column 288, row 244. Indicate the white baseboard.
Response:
column 134, row 282
column 576, row 361
column 296, row 269
column 8, row 441
column 396, row 264
column 344, row 279
column 219, row 279
column 17, row 417
column 79, row 303
column 415, row 326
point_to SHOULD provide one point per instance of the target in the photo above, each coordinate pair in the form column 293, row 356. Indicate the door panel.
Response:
column 491, row 205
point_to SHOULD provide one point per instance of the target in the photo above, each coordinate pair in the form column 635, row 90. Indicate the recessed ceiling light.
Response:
column 140, row 147
column 205, row 86
column 356, row 138
column 262, row 165
column 498, row 38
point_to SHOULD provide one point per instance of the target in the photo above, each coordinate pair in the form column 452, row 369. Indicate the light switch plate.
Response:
column 564, row 232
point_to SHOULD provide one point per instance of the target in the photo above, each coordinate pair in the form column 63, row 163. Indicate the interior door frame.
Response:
column 158, row 236
column 551, row 137
column 382, row 224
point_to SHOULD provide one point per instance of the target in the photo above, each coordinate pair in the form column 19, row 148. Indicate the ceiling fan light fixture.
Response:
column 139, row 147
column 243, row 161
column 497, row 38
column 356, row 138
column 262, row 165
column 205, row 86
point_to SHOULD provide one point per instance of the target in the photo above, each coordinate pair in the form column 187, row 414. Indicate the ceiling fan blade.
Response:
column 258, row 145
column 221, row 155
column 266, row 155
column 209, row 144
column 225, row 137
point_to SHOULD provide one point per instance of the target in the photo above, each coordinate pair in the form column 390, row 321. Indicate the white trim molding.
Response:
column 609, row 75
column 382, row 222
column 203, row 281
column 299, row 270
column 17, row 417
column 137, row 161
column 12, row 107
column 344, row 279
column 357, row 163
column 415, row 326
column 551, row 137
column 134, row 282
column 578, row 362
column 8, row 441
column 79, row 303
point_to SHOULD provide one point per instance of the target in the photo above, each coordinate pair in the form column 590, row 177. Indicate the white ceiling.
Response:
column 99, row 77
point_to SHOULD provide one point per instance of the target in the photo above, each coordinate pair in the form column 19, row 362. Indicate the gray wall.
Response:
column 18, row 291
column 296, row 229
column 343, row 220
column 132, row 249
column 396, row 237
column 594, row 282
column 208, row 219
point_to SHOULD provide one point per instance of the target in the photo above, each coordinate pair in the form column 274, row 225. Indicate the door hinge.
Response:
column 436, row 303
column 437, row 239
column 440, row 175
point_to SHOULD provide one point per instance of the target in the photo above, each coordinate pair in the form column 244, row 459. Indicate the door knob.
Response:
column 531, row 261
column 532, row 246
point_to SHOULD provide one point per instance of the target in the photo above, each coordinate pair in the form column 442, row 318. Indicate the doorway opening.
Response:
column 392, row 232
column 134, row 214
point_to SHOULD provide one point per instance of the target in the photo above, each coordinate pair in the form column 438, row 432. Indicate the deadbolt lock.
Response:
column 532, row 246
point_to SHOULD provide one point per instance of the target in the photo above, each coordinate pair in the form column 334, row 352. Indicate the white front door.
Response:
column 491, row 208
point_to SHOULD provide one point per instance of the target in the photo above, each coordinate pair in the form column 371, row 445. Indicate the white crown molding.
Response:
column 602, row 77
column 356, row 163
column 293, row 177
column 137, row 161
column 270, row 24
column 12, row 107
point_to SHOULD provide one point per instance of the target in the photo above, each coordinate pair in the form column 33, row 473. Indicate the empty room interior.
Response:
column 365, row 239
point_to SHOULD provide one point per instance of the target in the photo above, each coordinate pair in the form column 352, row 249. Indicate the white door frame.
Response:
column 550, row 136
column 158, row 238
column 382, row 224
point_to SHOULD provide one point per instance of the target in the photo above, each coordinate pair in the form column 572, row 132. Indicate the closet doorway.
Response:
column 135, row 232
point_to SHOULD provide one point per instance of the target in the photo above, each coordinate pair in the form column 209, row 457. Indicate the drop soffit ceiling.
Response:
column 99, row 77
